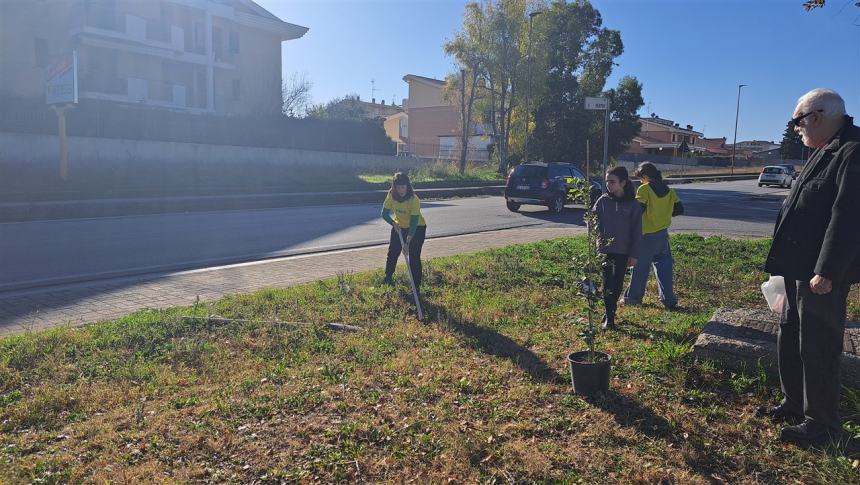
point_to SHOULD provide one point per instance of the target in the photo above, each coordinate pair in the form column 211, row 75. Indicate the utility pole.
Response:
column 735, row 142
column 605, row 138
column 529, row 93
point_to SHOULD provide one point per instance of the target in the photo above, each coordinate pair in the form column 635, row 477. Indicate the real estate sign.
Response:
column 61, row 80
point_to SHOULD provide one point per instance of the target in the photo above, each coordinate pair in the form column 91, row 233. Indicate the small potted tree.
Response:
column 589, row 369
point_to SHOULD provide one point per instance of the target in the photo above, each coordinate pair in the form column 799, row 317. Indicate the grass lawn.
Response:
column 441, row 171
column 478, row 393
column 237, row 179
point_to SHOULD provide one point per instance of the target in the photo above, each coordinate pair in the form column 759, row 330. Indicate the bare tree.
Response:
column 466, row 49
column 296, row 95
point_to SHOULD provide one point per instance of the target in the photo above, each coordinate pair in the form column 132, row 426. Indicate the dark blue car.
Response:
column 544, row 184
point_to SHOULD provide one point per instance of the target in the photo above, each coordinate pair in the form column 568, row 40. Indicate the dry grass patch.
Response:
column 479, row 393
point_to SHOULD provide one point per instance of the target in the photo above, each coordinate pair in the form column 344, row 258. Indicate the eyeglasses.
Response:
column 796, row 121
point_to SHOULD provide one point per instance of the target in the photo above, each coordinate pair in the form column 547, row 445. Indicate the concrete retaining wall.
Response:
column 43, row 149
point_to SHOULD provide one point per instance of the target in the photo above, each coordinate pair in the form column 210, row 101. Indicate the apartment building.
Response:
column 431, row 124
column 207, row 56
column 660, row 136
column 756, row 145
column 715, row 146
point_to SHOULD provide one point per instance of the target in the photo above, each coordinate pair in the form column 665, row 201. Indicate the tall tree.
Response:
column 625, row 100
column 496, row 34
column 467, row 49
column 506, row 20
column 791, row 147
column 581, row 54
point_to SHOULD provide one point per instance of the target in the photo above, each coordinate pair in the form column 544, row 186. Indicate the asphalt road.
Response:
column 44, row 253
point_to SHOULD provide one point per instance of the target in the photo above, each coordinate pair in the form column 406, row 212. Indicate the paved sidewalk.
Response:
column 83, row 303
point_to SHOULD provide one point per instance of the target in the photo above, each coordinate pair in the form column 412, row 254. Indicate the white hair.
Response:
column 826, row 100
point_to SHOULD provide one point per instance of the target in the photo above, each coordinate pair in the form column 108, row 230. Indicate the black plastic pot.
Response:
column 590, row 376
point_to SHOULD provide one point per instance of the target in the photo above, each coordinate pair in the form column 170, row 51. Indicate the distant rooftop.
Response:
column 666, row 122
column 430, row 80
column 265, row 19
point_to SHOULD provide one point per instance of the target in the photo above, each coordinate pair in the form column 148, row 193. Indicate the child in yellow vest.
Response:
column 659, row 204
column 402, row 209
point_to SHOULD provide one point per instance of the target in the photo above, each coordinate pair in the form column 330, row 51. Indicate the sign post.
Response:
column 61, row 93
column 601, row 104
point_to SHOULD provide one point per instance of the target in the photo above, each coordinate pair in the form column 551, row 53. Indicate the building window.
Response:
column 216, row 42
column 234, row 42
column 236, row 90
column 41, row 52
column 199, row 44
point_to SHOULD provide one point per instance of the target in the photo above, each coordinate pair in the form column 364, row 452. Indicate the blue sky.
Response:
column 690, row 55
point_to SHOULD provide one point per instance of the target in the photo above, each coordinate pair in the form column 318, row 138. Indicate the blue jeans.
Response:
column 653, row 250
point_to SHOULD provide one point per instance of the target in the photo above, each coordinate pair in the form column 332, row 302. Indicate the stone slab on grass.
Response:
column 743, row 339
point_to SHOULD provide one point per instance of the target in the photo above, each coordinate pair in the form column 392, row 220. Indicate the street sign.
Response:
column 596, row 103
column 601, row 104
column 61, row 80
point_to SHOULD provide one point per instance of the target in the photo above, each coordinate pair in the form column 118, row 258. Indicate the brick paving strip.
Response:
column 82, row 303
column 743, row 339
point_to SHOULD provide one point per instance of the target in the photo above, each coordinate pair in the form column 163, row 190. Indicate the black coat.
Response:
column 818, row 228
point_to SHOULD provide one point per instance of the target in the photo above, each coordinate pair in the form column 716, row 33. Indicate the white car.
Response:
column 776, row 175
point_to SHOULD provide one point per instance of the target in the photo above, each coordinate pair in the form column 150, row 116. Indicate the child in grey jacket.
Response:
column 619, row 217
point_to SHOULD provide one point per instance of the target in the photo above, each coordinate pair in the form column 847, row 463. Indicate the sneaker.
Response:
column 388, row 281
column 608, row 323
column 810, row 434
column 779, row 414
column 632, row 302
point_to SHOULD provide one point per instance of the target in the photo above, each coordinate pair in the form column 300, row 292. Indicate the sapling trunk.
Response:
column 589, row 266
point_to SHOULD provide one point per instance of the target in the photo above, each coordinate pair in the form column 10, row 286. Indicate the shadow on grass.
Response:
column 493, row 343
column 641, row 332
column 631, row 414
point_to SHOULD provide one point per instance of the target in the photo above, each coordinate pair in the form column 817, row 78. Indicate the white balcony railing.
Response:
column 148, row 91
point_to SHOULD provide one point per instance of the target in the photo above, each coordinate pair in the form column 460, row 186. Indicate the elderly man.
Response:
column 816, row 243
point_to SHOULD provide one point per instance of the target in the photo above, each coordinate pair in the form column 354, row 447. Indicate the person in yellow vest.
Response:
column 659, row 205
column 402, row 209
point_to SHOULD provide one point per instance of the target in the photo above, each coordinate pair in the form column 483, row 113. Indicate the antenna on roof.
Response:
column 373, row 89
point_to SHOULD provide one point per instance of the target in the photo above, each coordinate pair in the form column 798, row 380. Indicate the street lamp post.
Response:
column 532, row 16
column 735, row 142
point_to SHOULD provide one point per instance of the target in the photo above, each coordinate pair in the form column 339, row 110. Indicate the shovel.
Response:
column 409, row 271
